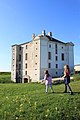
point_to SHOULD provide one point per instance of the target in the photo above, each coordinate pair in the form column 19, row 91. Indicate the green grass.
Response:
column 30, row 102
column 76, row 76
column 5, row 77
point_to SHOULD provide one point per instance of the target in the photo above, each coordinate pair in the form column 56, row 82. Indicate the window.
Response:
column 56, row 49
column 20, row 48
column 26, row 65
column 62, row 56
column 19, row 72
column 56, row 65
column 35, row 69
column 56, row 73
column 49, row 65
column 62, row 47
column 36, row 55
column 35, row 63
column 26, row 46
column 25, row 72
column 56, row 58
column 36, row 48
column 49, row 55
column 36, row 42
column 49, row 45
column 19, row 66
column 26, row 56
column 19, row 57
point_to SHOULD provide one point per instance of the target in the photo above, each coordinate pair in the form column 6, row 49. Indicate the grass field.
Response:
column 5, row 77
column 30, row 102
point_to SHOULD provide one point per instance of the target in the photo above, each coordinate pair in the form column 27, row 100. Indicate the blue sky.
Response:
column 20, row 18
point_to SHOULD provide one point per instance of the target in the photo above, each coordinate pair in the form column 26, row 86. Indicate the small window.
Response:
column 35, row 69
column 62, row 56
column 35, row 74
column 26, row 55
column 56, row 52
column 36, row 48
column 49, row 55
column 49, row 65
column 56, row 65
column 36, row 55
column 49, row 45
column 25, row 72
column 26, row 65
column 19, row 66
column 19, row 57
column 56, row 73
column 19, row 72
column 62, row 47
column 56, row 58
column 35, row 63
column 26, row 46
column 55, row 45
column 36, row 42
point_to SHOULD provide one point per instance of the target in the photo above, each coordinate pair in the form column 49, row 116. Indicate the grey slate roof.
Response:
column 54, row 40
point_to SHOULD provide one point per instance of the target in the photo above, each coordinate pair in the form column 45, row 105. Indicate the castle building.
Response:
column 30, row 59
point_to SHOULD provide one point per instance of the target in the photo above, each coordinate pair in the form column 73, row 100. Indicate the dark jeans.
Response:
column 67, row 85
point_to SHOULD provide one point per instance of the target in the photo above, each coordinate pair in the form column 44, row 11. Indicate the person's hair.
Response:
column 67, row 67
column 47, row 73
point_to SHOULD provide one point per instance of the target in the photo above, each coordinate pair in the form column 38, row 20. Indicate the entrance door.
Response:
column 25, row 80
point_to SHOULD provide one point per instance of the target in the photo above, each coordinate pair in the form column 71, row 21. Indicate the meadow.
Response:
column 30, row 102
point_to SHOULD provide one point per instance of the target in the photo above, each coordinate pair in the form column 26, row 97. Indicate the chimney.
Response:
column 43, row 32
column 50, row 34
column 33, row 36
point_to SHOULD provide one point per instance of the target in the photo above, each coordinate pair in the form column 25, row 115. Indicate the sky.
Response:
column 20, row 18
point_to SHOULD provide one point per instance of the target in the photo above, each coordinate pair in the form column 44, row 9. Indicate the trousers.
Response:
column 67, row 85
column 50, row 87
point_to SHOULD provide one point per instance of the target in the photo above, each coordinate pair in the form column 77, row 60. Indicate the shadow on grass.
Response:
column 76, row 92
column 65, row 93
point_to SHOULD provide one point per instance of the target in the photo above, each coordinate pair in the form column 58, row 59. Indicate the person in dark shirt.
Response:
column 67, row 79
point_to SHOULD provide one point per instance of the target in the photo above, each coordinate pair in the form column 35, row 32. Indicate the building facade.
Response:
column 30, row 59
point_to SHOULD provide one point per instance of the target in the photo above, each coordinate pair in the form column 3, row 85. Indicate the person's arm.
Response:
column 45, row 77
column 64, row 74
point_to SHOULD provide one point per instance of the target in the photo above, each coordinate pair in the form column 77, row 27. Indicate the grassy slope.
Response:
column 30, row 102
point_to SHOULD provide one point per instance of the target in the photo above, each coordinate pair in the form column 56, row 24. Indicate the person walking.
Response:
column 48, row 81
column 67, row 79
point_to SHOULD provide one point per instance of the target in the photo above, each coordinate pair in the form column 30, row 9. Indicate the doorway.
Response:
column 25, row 80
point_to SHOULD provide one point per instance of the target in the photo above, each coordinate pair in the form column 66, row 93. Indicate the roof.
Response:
column 54, row 40
column 21, row 44
column 50, row 39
